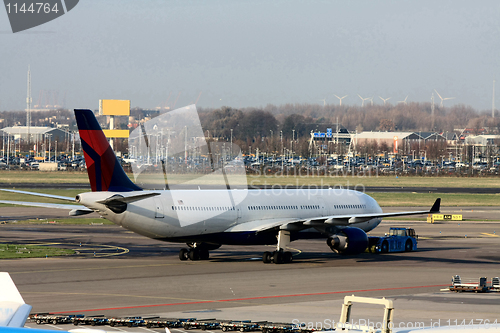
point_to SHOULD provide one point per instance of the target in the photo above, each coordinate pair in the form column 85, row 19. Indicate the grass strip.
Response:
column 14, row 251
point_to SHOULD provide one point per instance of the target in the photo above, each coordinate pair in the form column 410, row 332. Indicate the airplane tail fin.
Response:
column 13, row 310
column 104, row 169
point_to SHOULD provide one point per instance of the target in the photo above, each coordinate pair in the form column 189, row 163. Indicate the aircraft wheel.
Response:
column 194, row 254
column 204, row 254
column 278, row 257
column 183, row 254
column 408, row 246
column 266, row 257
column 287, row 257
column 385, row 247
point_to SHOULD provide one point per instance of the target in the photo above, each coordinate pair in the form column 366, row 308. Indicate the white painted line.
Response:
column 53, row 326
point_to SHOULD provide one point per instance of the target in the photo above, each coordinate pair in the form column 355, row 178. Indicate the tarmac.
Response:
column 118, row 273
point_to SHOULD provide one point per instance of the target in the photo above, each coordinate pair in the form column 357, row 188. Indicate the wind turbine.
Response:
column 324, row 101
column 385, row 99
column 443, row 99
column 364, row 99
column 404, row 101
column 340, row 98
column 371, row 100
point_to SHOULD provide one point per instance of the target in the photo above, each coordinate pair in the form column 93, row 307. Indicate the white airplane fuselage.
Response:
column 183, row 214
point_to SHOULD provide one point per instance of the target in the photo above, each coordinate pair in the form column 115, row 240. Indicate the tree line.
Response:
column 273, row 127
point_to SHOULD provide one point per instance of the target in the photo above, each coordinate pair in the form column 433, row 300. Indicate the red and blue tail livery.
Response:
column 104, row 169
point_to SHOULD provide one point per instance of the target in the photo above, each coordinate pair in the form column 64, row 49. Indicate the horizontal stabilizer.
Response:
column 128, row 198
column 78, row 212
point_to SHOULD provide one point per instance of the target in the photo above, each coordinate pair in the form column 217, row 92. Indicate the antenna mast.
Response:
column 28, row 106
column 432, row 111
column 493, row 102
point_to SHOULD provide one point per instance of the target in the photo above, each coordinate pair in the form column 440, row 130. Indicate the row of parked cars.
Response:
column 31, row 163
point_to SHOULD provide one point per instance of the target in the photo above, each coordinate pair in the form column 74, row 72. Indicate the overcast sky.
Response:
column 251, row 53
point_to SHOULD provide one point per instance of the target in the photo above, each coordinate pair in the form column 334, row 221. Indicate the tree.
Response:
column 386, row 125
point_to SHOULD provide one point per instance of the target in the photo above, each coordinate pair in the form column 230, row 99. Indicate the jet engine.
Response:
column 348, row 241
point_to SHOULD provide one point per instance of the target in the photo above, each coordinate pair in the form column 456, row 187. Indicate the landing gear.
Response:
column 267, row 257
column 279, row 256
column 194, row 253
column 184, row 254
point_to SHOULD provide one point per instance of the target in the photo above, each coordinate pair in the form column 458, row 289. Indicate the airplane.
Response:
column 207, row 219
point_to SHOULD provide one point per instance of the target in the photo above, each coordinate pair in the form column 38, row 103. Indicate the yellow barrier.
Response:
column 443, row 217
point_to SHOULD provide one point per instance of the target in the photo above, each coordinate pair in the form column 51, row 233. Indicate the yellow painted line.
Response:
column 490, row 235
column 183, row 299
column 82, row 249
column 97, row 268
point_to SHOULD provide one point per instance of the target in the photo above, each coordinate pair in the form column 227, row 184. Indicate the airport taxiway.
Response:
column 119, row 273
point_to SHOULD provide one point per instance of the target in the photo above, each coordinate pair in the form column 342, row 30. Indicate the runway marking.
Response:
column 146, row 329
column 54, row 326
column 490, row 235
column 83, row 249
column 252, row 298
column 95, row 268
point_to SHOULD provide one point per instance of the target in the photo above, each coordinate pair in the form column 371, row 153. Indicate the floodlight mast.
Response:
column 28, row 106
column 493, row 102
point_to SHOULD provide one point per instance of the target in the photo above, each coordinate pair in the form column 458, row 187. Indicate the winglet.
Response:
column 436, row 206
column 13, row 310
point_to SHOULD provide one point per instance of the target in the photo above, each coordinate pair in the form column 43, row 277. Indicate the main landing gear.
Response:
column 280, row 256
column 197, row 251
column 194, row 253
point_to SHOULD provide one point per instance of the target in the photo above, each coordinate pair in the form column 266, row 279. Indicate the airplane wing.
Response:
column 75, row 210
column 341, row 220
column 359, row 218
column 52, row 196
column 262, row 225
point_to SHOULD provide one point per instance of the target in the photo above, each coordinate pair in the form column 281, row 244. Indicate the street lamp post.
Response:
column 231, row 149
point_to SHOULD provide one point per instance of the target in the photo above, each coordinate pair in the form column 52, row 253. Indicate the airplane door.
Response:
column 158, row 208
column 238, row 211
column 324, row 208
